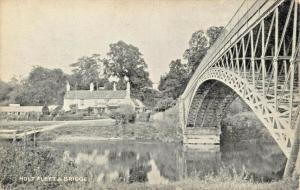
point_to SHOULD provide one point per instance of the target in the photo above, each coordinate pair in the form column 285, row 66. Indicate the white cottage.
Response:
column 103, row 100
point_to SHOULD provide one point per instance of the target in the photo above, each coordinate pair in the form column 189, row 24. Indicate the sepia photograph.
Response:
column 150, row 94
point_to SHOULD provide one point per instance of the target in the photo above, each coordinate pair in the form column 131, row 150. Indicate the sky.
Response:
column 55, row 33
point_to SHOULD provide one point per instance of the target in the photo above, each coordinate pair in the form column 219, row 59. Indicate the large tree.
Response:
column 85, row 71
column 5, row 89
column 174, row 82
column 43, row 86
column 125, row 62
column 214, row 33
column 199, row 43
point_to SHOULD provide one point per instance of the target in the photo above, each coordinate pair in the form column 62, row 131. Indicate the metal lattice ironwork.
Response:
column 258, row 58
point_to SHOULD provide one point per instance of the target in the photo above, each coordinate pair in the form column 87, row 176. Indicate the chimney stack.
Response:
column 92, row 87
column 128, row 90
column 115, row 88
column 68, row 86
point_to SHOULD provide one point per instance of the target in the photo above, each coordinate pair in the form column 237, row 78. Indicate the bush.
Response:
column 145, row 116
column 165, row 104
column 90, row 110
column 57, row 111
column 123, row 114
column 17, row 161
column 73, row 108
column 45, row 110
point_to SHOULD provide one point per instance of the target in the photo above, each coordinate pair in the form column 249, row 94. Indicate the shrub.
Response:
column 57, row 111
column 165, row 104
column 45, row 110
column 73, row 108
column 90, row 110
column 123, row 114
column 144, row 116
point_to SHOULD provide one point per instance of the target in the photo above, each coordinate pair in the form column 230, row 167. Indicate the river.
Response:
column 156, row 162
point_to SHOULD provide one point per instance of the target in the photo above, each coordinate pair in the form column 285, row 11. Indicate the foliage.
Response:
column 199, row 43
column 123, row 114
column 42, row 86
column 73, row 108
column 165, row 104
column 173, row 83
column 85, row 71
column 22, row 161
column 57, row 111
column 213, row 33
column 126, row 62
column 198, row 46
column 5, row 89
column 45, row 110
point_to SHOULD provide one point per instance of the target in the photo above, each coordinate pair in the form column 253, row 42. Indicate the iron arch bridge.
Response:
column 256, row 58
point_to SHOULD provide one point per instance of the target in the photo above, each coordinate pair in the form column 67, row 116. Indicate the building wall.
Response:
column 83, row 104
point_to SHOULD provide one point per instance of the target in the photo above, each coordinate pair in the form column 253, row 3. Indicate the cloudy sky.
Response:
column 55, row 33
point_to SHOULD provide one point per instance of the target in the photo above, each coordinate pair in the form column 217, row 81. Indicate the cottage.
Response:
column 101, row 100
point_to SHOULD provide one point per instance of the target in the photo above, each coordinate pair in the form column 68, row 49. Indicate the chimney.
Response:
column 68, row 86
column 92, row 87
column 115, row 88
column 128, row 90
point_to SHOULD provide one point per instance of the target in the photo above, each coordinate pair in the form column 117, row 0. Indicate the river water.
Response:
column 159, row 163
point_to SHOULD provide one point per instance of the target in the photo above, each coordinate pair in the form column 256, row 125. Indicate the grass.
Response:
column 25, row 124
column 140, row 131
column 195, row 184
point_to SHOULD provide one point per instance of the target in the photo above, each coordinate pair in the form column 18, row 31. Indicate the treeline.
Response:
column 173, row 83
column 124, row 62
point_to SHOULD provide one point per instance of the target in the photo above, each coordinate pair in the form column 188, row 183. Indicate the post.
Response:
column 15, row 136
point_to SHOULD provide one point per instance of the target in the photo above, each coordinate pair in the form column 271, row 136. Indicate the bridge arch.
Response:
column 257, row 58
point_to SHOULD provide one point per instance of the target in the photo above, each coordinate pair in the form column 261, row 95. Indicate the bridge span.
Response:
column 256, row 58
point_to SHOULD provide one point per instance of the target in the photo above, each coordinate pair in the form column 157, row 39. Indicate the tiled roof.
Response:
column 98, row 94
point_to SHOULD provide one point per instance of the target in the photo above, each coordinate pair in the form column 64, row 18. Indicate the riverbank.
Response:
column 157, row 131
column 211, row 184
column 187, row 184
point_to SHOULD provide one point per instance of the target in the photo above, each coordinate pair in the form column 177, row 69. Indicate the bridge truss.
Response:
column 258, row 58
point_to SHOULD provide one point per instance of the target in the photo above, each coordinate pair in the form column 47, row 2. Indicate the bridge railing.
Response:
column 246, row 11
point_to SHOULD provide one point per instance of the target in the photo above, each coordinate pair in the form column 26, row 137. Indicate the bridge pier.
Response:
column 201, row 136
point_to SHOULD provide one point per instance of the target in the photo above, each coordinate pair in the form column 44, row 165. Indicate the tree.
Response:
column 213, row 33
column 43, row 86
column 199, row 43
column 174, row 82
column 126, row 62
column 85, row 71
column 198, row 46
column 5, row 89
column 165, row 104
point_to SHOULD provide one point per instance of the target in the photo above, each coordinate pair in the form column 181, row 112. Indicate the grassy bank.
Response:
column 195, row 184
column 188, row 184
column 160, row 131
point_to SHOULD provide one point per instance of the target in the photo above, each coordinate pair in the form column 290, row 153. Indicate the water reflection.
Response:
column 158, row 163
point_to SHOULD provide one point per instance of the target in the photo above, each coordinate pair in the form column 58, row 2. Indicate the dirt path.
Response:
column 16, row 130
